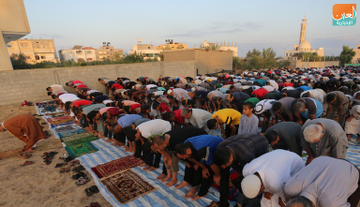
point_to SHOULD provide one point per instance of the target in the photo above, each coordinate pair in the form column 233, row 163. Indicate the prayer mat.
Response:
column 214, row 204
column 71, row 133
column 81, row 140
column 76, row 136
column 127, row 186
column 116, row 166
column 81, row 149
column 59, row 118
column 65, row 128
column 57, row 115
column 61, row 121
column 233, row 191
column 61, row 124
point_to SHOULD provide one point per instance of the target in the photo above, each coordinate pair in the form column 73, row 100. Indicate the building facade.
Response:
column 13, row 25
column 109, row 52
column 171, row 46
column 34, row 50
column 356, row 58
column 224, row 47
column 78, row 54
column 146, row 49
column 303, row 46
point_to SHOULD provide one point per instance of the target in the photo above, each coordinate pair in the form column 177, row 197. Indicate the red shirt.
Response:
column 82, row 86
column 134, row 106
column 113, row 111
column 260, row 93
column 117, row 86
column 164, row 108
column 286, row 84
column 81, row 103
column 76, row 81
column 178, row 117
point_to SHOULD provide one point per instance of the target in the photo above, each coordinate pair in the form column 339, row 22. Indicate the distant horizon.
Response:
column 121, row 23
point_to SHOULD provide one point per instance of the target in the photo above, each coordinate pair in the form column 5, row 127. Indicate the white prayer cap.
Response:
column 358, row 109
column 193, row 89
column 169, row 91
column 107, row 101
column 251, row 186
column 312, row 133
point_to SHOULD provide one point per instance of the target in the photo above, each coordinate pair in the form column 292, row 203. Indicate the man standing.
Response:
column 323, row 137
column 326, row 182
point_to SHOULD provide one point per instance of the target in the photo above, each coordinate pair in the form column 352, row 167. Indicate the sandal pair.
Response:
column 91, row 191
column 82, row 181
column 96, row 204
column 78, row 168
column 77, row 176
column 63, row 170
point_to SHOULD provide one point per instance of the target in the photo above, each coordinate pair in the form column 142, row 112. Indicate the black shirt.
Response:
column 180, row 135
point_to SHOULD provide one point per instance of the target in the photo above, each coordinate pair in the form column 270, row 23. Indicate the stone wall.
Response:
column 19, row 85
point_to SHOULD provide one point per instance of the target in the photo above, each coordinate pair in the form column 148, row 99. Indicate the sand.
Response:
column 37, row 184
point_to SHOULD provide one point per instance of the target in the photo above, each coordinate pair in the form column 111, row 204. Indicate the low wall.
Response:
column 300, row 64
column 19, row 85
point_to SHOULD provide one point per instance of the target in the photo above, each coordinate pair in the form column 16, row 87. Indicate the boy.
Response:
column 250, row 122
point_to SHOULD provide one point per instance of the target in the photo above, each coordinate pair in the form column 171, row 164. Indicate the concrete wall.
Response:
column 300, row 64
column 206, row 61
column 19, row 85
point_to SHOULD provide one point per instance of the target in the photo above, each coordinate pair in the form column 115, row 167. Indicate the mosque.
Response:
column 303, row 46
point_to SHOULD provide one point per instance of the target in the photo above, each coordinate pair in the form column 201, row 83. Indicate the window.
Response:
column 27, row 57
column 148, row 48
column 9, row 45
column 43, row 57
column 156, row 54
column 78, row 52
column 150, row 55
column 37, row 57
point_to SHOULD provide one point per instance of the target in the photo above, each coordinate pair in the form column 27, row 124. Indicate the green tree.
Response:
column 117, row 57
column 346, row 55
column 19, row 62
column 134, row 58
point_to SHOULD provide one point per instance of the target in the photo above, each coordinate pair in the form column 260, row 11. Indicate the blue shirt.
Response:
column 304, row 88
column 205, row 146
column 127, row 120
column 319, row 109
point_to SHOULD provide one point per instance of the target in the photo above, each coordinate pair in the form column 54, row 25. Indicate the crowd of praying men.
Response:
column 255, row 124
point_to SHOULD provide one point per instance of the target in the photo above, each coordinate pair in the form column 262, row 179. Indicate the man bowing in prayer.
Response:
column 27, row 129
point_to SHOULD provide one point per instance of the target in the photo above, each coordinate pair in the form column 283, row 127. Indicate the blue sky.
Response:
column 251, row 24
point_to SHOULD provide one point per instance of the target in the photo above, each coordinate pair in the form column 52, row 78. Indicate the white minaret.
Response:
column 139, row 41
column 303, row 29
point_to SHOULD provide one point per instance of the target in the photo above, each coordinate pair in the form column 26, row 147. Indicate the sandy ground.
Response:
column 37, row 184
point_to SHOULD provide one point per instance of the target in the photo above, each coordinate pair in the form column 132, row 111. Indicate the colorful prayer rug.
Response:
column 60, row 121
column 116, row 166
column 81, row 149
column 81, row 140
column 76, row 136
column 233, row 191
column 65, row 128
column 71, row 133
column 127, row 186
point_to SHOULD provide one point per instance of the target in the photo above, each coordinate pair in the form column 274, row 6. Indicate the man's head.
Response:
column 159, row 142
column 156, row 106
column 223, row 158
column 300, row 201
column 2, row 128
column 186, row 113
column 277, row 107
column 313, row 133
column 248, row 108
column 191, row 94
column 169, row 116
column 48, row 89
column 212, row 124
column 170, row 92
column 299, row 106
column 272, row 137
column 230, row 97
column 183, row 150
column 330, row 98
column 252, row 185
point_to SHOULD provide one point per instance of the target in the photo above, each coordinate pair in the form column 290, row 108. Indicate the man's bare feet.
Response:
column 129, row 150
column 166, row 178
column 171, row 182
column 161, row 176
column 196, row 197
column 182, row 184
column 142, row 165
column 151, row 168
column 191, row 193
column 146, row 168
column 120, row 144
column 114, row 142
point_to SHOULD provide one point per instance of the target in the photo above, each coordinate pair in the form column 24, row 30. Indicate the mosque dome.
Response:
column 304, row 45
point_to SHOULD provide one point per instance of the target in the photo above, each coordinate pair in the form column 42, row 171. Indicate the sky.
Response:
column 251, row 24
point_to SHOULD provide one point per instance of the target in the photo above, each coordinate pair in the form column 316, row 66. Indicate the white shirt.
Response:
column 56, row 86
column 68, row 97
column 180, row 93
column 152, row 127
column 315, row 94
column 274, row 168
column 269, row 88
column 199, row 118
